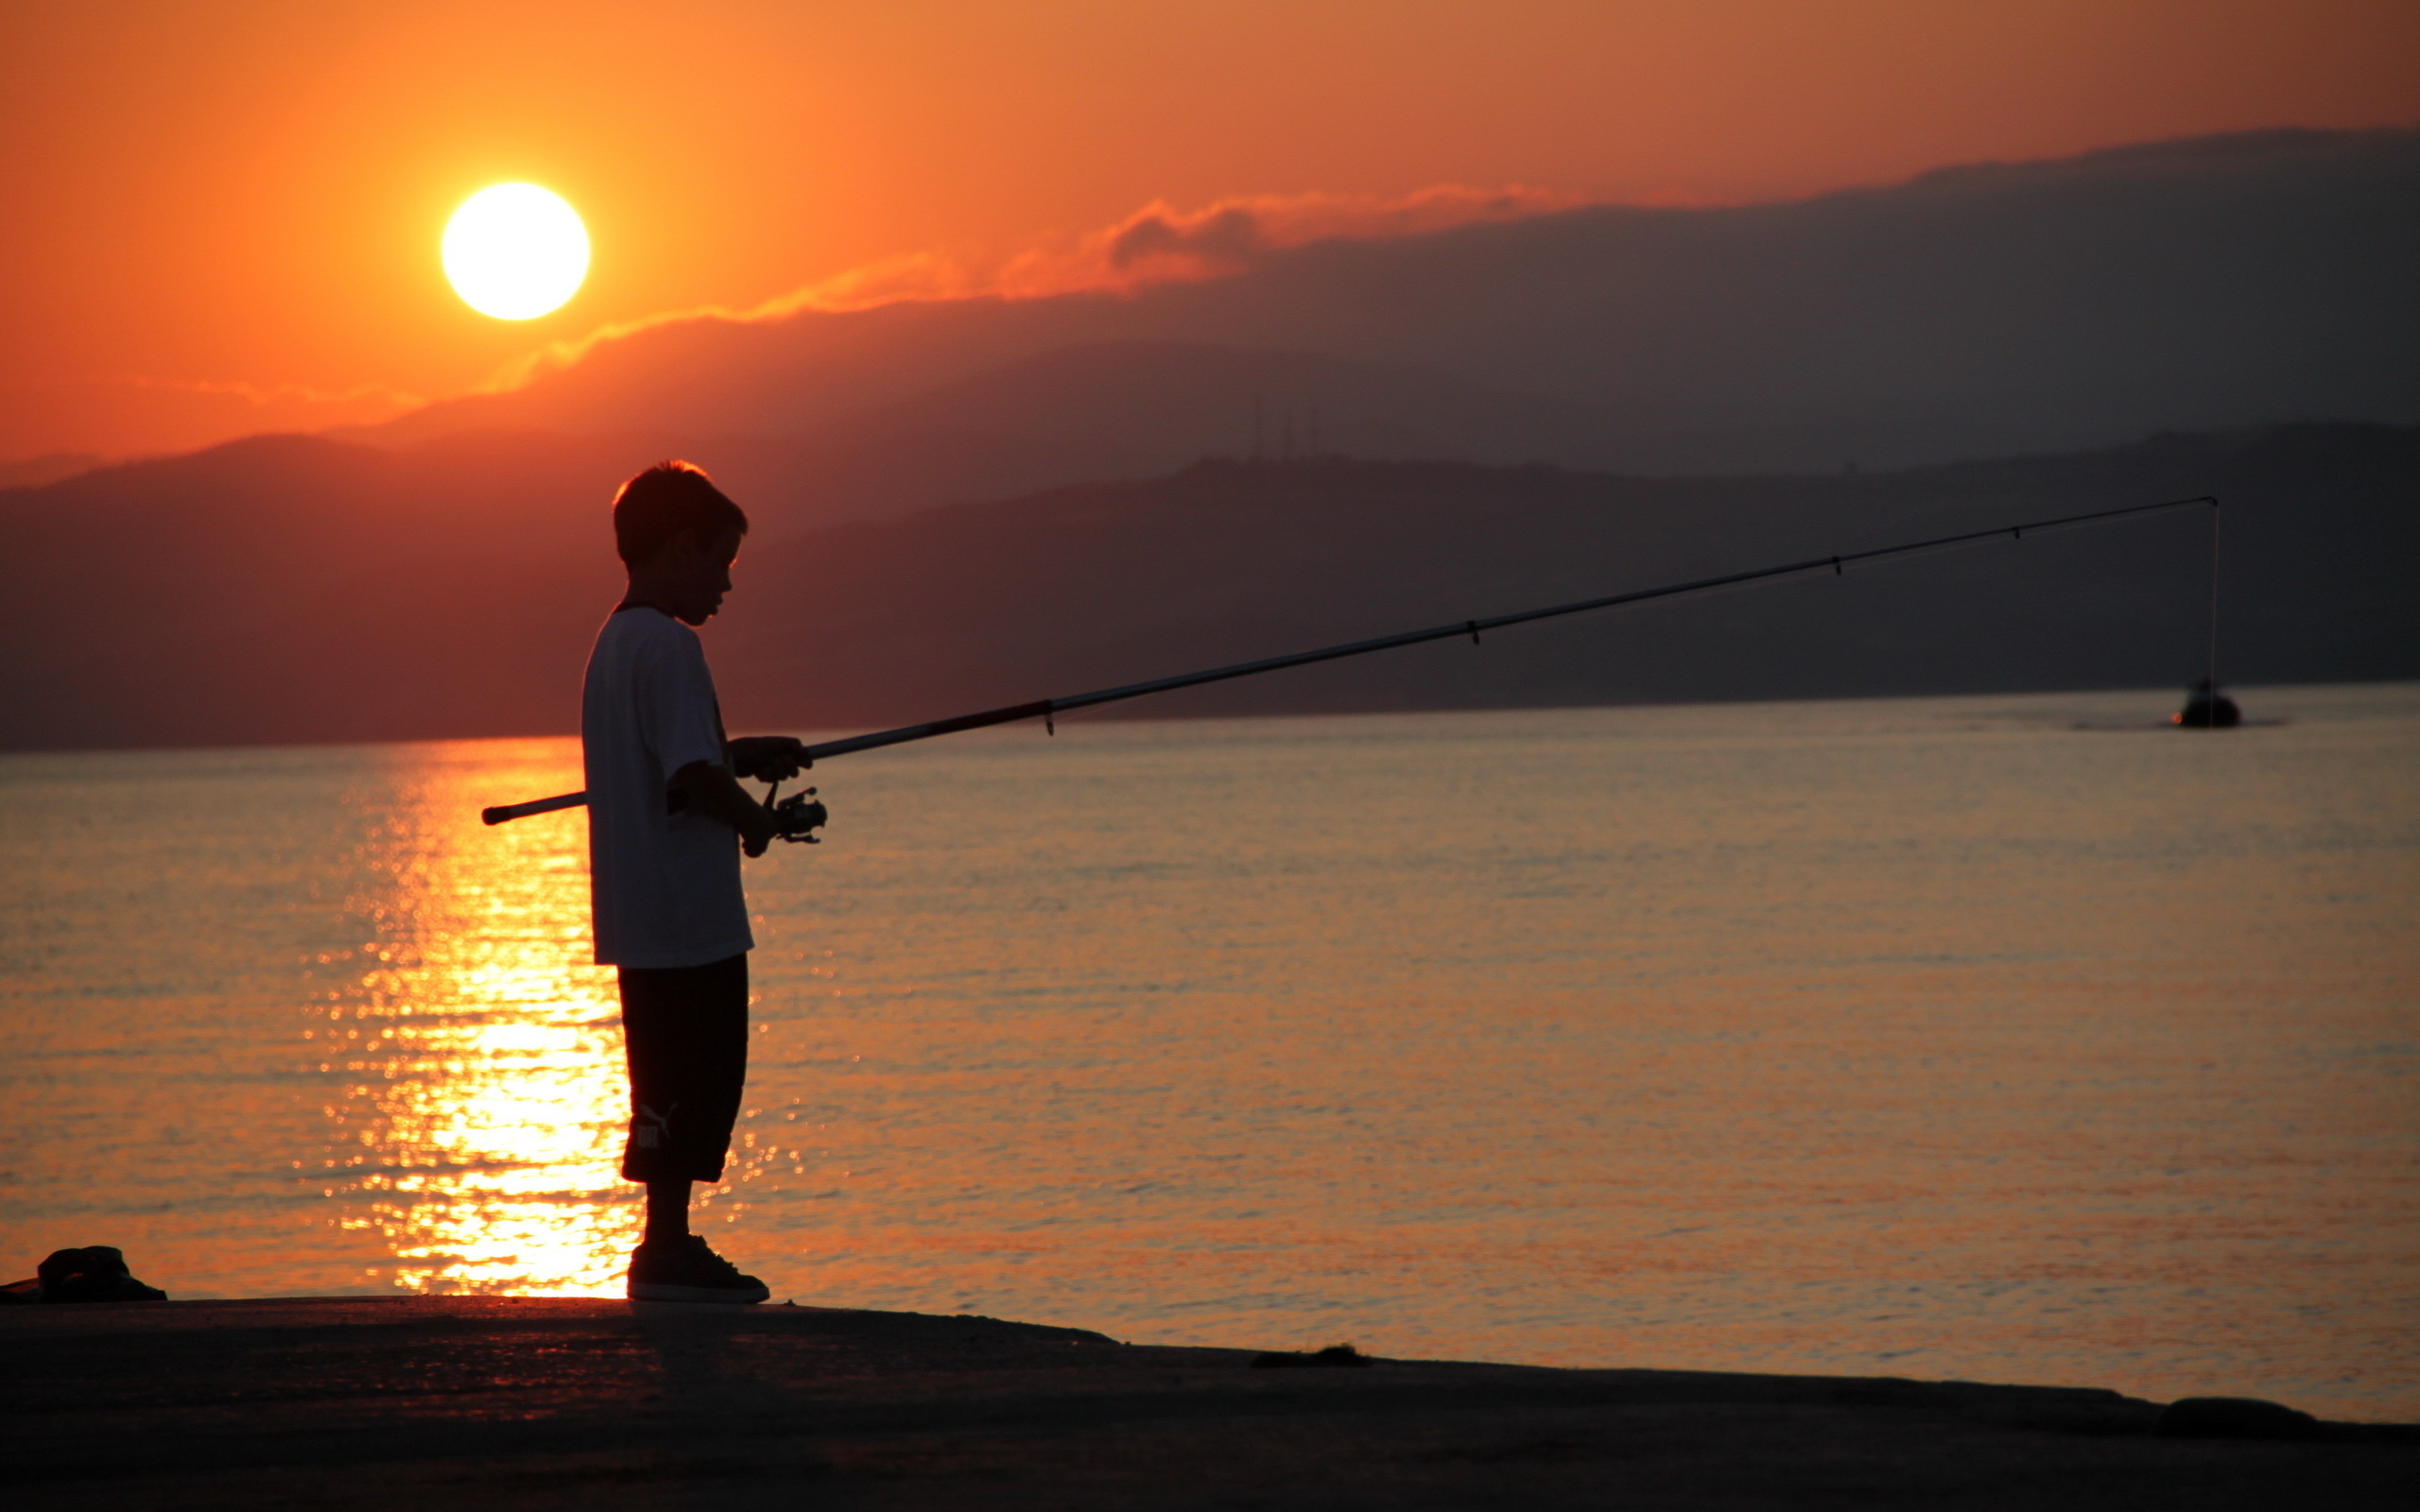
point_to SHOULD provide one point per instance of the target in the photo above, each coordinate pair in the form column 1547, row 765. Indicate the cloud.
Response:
column 1161, row 244
column 1224, row 236
column 2031, row 308
column 1157, row 244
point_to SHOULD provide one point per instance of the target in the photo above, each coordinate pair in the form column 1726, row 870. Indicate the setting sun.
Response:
column 515, row 251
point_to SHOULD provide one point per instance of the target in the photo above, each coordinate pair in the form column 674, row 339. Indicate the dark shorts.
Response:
column 686, row 1030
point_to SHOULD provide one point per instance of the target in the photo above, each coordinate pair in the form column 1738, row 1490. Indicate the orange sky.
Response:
column 208, row 201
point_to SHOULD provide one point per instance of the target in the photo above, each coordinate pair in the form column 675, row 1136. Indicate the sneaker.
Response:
column 686, row 1270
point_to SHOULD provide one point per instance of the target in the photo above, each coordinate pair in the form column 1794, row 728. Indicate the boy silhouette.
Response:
column 668, row 820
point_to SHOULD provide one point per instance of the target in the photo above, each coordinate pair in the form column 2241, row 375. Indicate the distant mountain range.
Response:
column 298, row 589
column 1998, row 309
column 939, row 523
column 33, row 471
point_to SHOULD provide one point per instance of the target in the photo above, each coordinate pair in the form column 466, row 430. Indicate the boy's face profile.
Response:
column 688, row 578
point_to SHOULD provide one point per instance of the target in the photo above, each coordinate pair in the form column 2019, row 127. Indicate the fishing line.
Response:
column 2213, row 670
column 1047, row 709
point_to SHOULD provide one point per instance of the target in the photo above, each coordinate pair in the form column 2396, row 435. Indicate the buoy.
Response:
column 2207, row 708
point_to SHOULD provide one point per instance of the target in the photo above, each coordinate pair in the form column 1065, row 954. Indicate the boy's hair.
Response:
column 665, row 500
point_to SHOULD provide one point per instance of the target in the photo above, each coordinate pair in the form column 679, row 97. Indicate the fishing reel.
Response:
column 797, row 816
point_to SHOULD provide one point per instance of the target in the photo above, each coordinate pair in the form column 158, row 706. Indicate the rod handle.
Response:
column 540, row 805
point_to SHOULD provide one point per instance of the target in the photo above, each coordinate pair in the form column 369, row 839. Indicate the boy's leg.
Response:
column 667, row 1212
column 686, row 1032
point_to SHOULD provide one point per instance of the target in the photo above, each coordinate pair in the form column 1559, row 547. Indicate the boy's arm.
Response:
column 710, row 788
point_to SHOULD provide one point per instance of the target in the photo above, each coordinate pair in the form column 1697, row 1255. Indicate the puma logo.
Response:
column 652, row 1130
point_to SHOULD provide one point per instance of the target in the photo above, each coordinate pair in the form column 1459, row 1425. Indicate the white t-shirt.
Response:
column 664, row 887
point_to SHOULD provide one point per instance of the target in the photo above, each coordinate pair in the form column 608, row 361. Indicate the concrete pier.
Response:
column 444, row 1403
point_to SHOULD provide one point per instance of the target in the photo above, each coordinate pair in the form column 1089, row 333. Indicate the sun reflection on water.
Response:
column 478, row 1133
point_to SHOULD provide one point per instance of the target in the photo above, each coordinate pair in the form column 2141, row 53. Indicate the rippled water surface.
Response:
column 1938, row 1037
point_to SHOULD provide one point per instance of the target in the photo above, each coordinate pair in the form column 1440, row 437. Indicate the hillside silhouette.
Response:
column 1988, row 310
column 303, row 589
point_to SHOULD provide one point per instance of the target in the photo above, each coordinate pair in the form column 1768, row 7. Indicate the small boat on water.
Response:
column 2207, row 708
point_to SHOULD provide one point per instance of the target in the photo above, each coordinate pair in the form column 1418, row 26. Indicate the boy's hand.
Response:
column 755, row 836
column 718, row 794
column 766, row 758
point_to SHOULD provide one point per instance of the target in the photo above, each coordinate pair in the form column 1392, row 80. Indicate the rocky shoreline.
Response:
column 541, row 1402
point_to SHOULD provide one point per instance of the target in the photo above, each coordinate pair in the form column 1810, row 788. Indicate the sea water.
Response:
column 1996, row 1039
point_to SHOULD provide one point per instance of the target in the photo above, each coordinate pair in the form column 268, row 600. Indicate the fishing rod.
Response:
column 1047, row 709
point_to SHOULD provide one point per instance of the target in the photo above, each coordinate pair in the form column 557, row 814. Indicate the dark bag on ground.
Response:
column 96, row 1273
